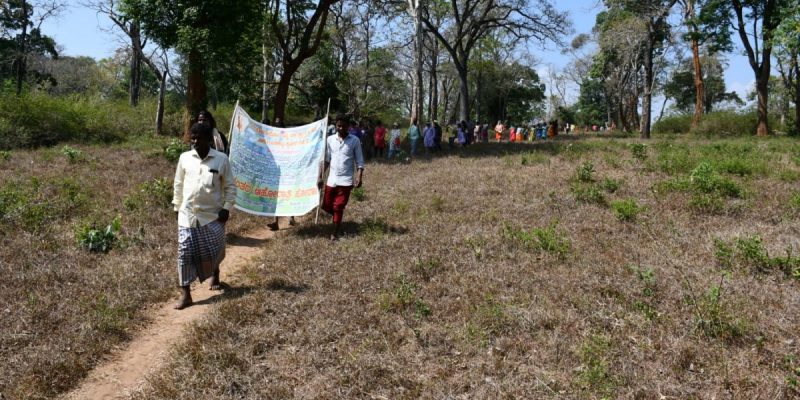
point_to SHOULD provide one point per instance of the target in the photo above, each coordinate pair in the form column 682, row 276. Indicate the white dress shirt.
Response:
column 342, row 154
column 202, row 188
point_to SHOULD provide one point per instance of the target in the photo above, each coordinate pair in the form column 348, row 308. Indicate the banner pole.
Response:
column 230, row 130
column 322, row 162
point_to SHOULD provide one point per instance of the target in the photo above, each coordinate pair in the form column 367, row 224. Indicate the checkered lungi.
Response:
column 200, row 251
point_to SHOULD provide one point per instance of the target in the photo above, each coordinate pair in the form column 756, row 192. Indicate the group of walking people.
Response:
column 204, row 192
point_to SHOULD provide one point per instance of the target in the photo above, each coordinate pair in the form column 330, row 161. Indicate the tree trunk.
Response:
column 264, row 83
column 796, row 69
column 418, row 66
column 464, row 94
column 648, row 87
column 762, row 90
column 699, row 85
column 434, row 106
column 162, row 90
column 196, row 93
column 135, row 65
column 282, row 93
column 23, row 41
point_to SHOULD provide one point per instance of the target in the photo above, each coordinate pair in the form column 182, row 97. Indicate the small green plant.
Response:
column 157, row 193
column 714, row 318
column 173, row 151
column 107, row 318
column 401, row 206
column 96, row 240
column 402, row 298
column 585, row 172
column 610, row 185
column 73, row 155
column 792, row 368
column 647, row 279
column 794, row 201
column 533, row 158
column 626, row 210
column 639, row 151
column 749, row 253
column 547, row 239
column 5, row 155
column 373, row 229
column 437, row 204
column 426, row 269
column 594, row 372
column 588, row 193
column 359, row 194
column 489, row 319
column 477, row 244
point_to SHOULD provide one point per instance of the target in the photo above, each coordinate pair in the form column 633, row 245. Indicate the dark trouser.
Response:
column 335, row 200
column 378, row 151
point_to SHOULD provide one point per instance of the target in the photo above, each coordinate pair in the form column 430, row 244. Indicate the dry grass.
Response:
column 443, row 286
column 430, row 296
column 62, row 308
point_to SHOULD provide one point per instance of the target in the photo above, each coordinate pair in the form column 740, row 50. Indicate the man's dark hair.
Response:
column 202, row 130
column 343, row 117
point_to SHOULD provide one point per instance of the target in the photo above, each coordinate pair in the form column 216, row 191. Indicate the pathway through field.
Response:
column 126, row 369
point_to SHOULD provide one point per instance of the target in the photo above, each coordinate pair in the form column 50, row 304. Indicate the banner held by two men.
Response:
column 276, row 169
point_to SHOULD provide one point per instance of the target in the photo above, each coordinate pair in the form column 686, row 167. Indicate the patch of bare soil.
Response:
column 125, row 370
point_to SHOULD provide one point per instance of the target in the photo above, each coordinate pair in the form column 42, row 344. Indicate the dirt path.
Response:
column 127, row 368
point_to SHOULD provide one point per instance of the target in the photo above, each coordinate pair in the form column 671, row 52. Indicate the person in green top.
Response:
column 413, row 136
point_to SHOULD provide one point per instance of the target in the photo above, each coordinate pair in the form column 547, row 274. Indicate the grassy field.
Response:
column 579, row 268
column 62, row 307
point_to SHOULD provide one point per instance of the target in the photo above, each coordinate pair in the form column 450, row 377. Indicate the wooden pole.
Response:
column 322, row 162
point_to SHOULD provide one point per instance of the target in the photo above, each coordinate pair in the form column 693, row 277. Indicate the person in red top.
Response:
column 380, row 139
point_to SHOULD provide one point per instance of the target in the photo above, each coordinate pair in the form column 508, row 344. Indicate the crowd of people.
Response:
column 204, row 190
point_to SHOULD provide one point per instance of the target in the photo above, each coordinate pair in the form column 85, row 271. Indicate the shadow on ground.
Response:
column 228, row 293
column 351, row 228
column 244, row 241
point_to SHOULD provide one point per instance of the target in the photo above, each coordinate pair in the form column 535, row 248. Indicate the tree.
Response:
column 653, row 14
column 786, row 40
column 681, row 86
column 299, row 36
column 471, row 20
column 20, row 25
column 756, row 20
column 198, row 30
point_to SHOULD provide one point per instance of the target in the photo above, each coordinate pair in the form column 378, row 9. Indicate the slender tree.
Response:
column 471, row 20
column 298, row 36
column 755, row 22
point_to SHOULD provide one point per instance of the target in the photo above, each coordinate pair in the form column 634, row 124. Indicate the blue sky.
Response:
column 82, row 32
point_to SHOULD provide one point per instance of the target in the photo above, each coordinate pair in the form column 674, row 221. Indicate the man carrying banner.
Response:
column 343, row 156
column 204, row 191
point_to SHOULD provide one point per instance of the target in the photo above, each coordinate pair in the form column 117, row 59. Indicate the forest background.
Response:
column 481, row 61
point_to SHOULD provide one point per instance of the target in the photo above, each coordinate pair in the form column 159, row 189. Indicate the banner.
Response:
column 276, row 169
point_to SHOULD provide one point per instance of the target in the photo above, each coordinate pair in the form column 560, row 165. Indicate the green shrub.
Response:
column 547, row 239
column 34, row 120
column 626, row 210
column 585, row 172
column 727, row 123
column 173, row 151
column 672, row 159
column 639, row 151
column 5, row 155
column 533, row 158
column 359, row 194
column 155, row 193
column 72, row 154
column 595, row 374
column 402, row 298
column 704, row 179
column 673, row 124
column 794, row 201
column 715, row 319
column 96, row 240
column 588, row 193
column 610, row 185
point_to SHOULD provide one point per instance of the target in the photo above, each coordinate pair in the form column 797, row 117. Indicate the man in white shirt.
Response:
column 344, row 157
column 203, row 194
